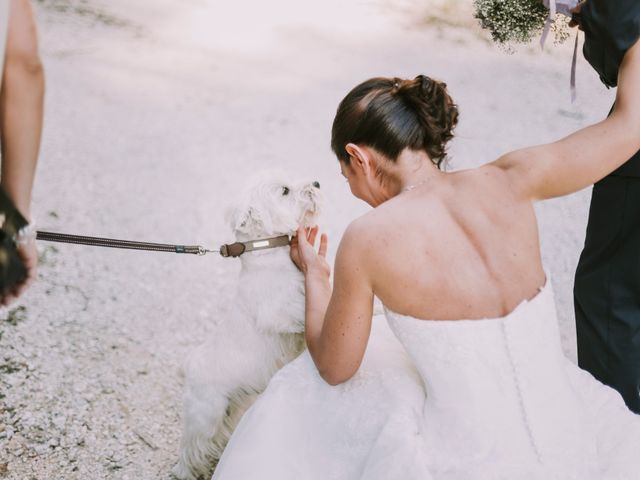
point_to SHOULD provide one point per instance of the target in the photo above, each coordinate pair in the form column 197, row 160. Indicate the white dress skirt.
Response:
column 480, row 399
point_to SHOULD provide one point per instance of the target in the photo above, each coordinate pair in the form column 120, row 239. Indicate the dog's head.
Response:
column 272, row 203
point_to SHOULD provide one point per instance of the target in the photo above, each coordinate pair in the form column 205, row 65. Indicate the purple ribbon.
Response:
column 564, row 7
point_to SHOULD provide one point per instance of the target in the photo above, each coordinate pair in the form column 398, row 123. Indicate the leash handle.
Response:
column 116, row 243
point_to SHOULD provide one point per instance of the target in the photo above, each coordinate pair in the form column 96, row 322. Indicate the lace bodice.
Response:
column 499, row 383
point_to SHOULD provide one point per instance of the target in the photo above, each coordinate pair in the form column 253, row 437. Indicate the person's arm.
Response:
column 586, row 156
column 338, row 322
column 21, row 106
column 21, row 112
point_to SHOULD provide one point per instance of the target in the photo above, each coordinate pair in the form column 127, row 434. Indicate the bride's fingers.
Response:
column 308, row 246
column 312, row 235
column 324, row 240
column 303, row 234
column 302, row 239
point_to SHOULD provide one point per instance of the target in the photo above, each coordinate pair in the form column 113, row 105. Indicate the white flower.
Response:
column 518, row 21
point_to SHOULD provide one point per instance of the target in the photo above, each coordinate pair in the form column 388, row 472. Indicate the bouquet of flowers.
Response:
column 518, row 21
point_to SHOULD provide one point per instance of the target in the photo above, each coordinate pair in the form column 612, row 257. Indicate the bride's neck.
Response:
column 410, row 169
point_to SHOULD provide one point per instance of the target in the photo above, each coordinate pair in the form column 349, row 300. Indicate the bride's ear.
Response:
column 359, row 157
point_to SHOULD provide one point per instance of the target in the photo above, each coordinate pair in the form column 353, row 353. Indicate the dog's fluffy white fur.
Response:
column 263, row 330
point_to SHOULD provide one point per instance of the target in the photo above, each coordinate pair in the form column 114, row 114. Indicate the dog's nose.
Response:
column 316, row 184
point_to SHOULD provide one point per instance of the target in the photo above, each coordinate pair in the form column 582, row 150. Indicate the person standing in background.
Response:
column 607, row 280
column 21, row 117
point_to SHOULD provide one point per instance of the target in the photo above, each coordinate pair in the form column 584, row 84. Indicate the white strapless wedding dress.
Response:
column 452, row 400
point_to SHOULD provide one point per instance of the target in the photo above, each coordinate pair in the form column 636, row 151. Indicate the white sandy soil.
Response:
column 155, row 113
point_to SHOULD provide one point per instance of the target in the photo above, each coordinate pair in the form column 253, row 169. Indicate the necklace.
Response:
column 411, row 187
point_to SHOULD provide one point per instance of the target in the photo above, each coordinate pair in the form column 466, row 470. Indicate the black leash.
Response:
column 115, row 243
column 227, row 250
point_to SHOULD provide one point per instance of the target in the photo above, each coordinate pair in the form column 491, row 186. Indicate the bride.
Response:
column 477, row 386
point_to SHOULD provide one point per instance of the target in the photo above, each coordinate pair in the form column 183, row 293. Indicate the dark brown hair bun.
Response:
column 391, row 114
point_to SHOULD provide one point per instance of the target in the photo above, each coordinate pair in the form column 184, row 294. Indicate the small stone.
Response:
column 41, row 449
column 15, row 439
column 59, row 421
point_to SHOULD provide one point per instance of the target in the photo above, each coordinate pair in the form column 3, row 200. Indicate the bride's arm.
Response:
column 338, row 322
column 586, row 156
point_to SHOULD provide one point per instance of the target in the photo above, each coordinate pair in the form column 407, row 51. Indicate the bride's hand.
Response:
column 303, row 251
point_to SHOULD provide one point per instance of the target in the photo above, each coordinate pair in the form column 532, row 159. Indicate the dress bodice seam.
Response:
column 517, row 383
column 536, row 298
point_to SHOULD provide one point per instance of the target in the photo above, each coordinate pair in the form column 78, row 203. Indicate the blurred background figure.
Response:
column 21, row 111
column 607, row 281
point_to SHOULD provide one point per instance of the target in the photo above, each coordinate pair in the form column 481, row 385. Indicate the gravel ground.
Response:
column 155, row 113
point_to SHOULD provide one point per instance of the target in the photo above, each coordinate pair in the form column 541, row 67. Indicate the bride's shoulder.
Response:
column 364, row 232
column 487, row 174
column 384, row 223
column 494, row 181
column 377, row 219
column 363, row 226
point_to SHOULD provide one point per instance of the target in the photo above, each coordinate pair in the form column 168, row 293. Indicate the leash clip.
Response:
column 203, row 251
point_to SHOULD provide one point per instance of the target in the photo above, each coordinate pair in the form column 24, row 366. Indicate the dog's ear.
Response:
column 248, row 220
column 236, row 216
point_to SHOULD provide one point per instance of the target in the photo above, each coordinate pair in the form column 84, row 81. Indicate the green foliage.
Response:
column 517, row 21
column 16, row 315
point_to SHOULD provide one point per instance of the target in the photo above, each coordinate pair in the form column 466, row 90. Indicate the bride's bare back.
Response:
column 463, row 248
column 465, row 244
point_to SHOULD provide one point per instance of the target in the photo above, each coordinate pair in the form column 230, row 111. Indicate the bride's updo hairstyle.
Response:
column 391, row 114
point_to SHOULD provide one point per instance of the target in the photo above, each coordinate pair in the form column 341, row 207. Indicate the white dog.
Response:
column 264, row 329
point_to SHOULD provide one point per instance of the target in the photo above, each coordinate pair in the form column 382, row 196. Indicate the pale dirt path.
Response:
column 155, row 113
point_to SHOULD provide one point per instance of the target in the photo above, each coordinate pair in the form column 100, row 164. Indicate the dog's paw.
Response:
column 182, row 472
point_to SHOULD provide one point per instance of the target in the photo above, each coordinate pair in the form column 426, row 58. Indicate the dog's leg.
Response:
column 204, row 416
column 239, row 402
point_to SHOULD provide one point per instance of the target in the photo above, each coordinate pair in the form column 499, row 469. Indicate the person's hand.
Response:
column 29, row 256
column 303, row 251
column 575, row 19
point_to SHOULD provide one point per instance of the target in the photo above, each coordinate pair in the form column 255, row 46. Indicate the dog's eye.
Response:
column 285, row 190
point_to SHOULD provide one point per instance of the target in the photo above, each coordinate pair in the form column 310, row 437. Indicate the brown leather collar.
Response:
column 238, row 248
